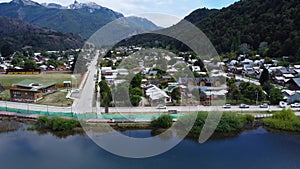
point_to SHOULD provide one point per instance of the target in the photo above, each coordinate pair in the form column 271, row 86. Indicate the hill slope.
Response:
column 276, row 22
column 17, row 34
column 83, row 19
column 270, row 27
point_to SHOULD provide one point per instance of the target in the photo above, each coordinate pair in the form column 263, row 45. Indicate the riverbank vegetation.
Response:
column 229, row 123
column 162, row 122
column 7, row 126
column 56, row 124
column 284, row 120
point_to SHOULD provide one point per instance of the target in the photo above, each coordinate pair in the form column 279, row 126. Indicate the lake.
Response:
column 253, row 149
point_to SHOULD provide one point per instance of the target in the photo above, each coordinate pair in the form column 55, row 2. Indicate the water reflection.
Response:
column 250, row 150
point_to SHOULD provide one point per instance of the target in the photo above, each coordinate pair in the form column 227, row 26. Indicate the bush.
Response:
column 56, row 124
column 164, row 121
column 229, row 123
column 285, row 115
column 248, row 118
column 283, row 120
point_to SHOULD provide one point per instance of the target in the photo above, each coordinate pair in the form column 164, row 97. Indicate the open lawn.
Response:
column 56, row 99
column 9, row 80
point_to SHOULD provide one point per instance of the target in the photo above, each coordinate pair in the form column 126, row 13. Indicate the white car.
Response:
column 295, row 105
column 226, row 106
column 161, row 107
column 265, row 105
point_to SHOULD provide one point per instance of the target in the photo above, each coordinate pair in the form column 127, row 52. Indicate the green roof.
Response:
column 35, row 85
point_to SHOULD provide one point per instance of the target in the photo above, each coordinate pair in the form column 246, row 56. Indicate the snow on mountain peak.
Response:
column 26, row 2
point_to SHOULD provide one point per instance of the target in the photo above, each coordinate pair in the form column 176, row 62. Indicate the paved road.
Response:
column 191, row 108
column 246, row 79
column 83, row 104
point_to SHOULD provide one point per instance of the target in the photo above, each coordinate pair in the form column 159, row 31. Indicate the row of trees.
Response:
column 124, row 94
column 250, row 93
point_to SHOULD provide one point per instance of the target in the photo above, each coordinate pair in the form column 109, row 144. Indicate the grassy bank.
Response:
column 284, row 120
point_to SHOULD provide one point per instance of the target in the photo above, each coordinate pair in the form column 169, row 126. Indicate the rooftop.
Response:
column 34, row 85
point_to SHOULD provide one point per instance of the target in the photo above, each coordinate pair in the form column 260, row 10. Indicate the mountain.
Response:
column 200, row 14
column 53, row 5
column 268, row 26
column 78, row 18
column 17, row 34
column 155, row 39
column 120, row 29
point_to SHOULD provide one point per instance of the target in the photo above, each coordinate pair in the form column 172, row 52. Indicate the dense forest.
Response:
column 268, row 26
column 16, row 34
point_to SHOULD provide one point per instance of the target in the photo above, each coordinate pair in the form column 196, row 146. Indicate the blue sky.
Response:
column 177, row 8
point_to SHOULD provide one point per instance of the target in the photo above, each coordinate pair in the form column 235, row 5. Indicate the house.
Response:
column 156, row 95
column 291, row 96
column 294, row 84
column 30, row 91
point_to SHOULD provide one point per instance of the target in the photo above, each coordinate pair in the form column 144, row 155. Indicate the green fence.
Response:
column 89, row 115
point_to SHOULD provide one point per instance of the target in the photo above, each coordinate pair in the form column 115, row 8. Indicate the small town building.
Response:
column 30, row 91
column 294, row 84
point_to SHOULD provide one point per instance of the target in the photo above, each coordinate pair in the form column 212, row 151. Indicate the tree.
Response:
column 164, row 121
column 6, row 50
column 136, row 91
column 234, row 93
column 105, row 93
column 264, row 77
column 135, row 100
column 136, row 80
column 53, row 62
column 176, row 95
column 17, row 61
column 30, row 64
column 275, row 96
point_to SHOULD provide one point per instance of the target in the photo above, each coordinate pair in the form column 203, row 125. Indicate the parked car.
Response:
column 282, row 104
column 244, row 106
column 265, row 105
column 295, row 105
column 161, row 107
column 226, row 106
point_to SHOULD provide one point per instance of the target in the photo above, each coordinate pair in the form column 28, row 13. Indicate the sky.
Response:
column 177, row 8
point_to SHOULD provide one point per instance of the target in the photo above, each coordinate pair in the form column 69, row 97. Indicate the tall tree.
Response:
column 136, row 80
column 264, row 77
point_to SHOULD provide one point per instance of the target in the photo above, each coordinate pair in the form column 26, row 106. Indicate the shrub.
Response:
column 248, row 118
column 228, row 123
column 164, row 121
column 283, row 120
column 56, row 124
column 285, row 115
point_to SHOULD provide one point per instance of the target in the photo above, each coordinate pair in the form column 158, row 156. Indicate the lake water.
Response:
column 256, row 149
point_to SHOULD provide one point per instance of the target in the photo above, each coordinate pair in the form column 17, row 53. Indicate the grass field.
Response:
column 9, row 80
column 56, row 99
